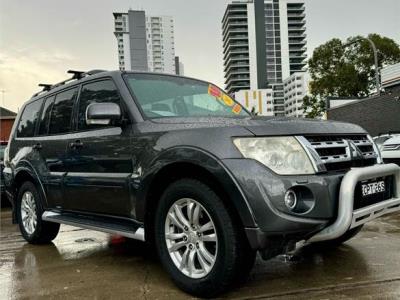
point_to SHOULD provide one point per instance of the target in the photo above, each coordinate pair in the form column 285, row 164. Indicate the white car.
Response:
column 390, row 147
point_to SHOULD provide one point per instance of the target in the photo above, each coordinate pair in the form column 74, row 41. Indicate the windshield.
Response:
column 162, row 96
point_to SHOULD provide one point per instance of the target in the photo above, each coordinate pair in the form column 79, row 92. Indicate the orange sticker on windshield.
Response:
column 237, row 109
column 227, row 100
column 214, row 91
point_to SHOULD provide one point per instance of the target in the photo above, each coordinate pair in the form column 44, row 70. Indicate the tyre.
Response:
column 199, row 242
column 29, row 211
column 340, row 240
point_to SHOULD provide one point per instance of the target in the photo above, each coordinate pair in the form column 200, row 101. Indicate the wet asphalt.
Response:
column 84, row 264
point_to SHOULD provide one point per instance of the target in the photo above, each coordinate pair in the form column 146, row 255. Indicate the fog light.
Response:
column 290, row 199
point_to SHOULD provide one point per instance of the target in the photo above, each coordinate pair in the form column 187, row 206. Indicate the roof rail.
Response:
column 46, row 87
column 77, row 75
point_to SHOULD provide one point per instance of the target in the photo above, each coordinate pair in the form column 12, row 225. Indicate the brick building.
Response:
column 7, row 118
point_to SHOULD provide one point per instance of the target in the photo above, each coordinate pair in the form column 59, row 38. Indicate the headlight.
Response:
column 283, row 155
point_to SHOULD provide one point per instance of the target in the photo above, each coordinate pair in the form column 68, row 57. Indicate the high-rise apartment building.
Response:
column 295, row 88
column 145, row 43
column 264, row 43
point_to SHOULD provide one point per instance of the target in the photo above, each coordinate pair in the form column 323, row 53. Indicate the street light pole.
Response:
column 373, row 47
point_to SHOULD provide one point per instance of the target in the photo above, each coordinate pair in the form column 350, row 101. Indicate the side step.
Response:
column 122, row 227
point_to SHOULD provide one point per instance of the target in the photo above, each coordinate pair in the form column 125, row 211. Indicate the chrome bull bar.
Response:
column 347, row 217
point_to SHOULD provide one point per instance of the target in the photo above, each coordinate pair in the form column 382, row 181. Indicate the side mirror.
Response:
column 102, row 113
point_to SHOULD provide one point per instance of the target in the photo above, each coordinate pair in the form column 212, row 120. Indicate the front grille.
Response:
column 342, row 152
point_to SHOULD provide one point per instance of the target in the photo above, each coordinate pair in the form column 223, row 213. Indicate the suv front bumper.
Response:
column 332, row 214
column 347, row 217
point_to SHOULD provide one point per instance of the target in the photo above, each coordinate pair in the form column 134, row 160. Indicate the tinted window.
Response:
column 30, row 115
column 96, row 92
column 45, row 119
column 61, row 113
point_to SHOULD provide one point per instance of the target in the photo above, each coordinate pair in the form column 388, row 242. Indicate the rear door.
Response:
column 99, row 163
column 53, row 135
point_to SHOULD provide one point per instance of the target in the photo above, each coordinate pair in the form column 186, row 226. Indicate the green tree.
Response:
column 346, row 69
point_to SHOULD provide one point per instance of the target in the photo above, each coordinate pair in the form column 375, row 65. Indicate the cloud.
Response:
column 22, row 69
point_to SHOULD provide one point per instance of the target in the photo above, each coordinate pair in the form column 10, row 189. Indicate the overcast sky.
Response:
column 40, row 40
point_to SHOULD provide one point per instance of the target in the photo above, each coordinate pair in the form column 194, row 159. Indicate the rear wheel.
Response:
column 29, row 215
column 199, row 241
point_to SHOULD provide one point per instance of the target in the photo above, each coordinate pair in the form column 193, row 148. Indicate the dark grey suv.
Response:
column 178, row 163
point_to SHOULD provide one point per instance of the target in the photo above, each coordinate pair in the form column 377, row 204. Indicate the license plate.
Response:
column 372, row 188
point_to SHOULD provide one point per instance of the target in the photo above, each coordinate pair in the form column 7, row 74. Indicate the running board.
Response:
column 108, row 225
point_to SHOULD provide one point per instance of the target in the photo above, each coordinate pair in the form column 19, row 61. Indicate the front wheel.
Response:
column 198, row 240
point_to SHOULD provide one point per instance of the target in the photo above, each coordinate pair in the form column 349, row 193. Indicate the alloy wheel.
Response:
column 28, row 212
column 191, row 238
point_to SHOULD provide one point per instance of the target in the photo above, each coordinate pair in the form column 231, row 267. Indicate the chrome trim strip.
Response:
column 376, row 149
column 316, row 161
column 346, row 216
column 137, row 235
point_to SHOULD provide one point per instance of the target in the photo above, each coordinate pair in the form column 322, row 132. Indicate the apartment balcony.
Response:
column 300, row 28
column 236, row 59
column 235, row 32
column 238, row 37
column 295, row 7
column 233, row 18
column 297, row 35
column 236, row 79
column 237, row 71
column 231, row 88
column 292, row 15
column 297, row 42
column 297, row 55
column 297, row 49
column 234, row 46
column 233, row 66
column 236, row 51
column 296, row 22
column 233, row 25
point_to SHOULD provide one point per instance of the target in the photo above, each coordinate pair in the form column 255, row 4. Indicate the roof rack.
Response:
column 77, row 75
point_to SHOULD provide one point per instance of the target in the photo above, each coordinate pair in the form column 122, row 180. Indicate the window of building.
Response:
column 27, row 122
column 61, row 113
column 96, row 92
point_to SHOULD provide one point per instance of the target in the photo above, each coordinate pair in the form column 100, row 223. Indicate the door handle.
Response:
column 37, row 146
column 76, row 144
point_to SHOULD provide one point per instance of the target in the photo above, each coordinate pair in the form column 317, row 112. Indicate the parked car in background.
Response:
column 177, row 162
column 389, row 145
column 4, row 201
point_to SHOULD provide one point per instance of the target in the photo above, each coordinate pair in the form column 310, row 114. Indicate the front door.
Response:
column 99, row 164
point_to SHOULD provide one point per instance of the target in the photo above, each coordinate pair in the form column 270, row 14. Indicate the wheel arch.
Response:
column 25, row 172
column 195, row 164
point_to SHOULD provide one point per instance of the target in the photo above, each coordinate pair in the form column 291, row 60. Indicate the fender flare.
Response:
column 202, row 159
column 26, row 166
